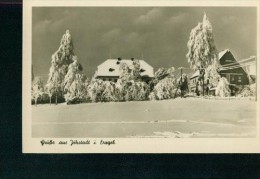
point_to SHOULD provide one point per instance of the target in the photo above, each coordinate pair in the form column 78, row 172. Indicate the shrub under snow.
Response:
column 248, row 90
column 164, row 89
column 108, row 93
column 222, row 88
column 138, row 91
column 95, row 90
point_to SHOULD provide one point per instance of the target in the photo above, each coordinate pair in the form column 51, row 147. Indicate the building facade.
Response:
column 232, row 69
column 109, row 70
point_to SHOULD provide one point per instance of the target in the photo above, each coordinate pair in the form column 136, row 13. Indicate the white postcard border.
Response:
column 126, row 145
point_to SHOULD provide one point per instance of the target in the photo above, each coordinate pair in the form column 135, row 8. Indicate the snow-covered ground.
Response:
column 189, row 117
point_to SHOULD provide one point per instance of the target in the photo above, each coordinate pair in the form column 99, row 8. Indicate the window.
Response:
column 239, row 79
column 232, row 78
column 228, row 60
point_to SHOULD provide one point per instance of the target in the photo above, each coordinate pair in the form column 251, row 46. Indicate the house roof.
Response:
column 251, row 59
column 197, row 73
column 111, row 67
column 222, row 53
column 248, row 64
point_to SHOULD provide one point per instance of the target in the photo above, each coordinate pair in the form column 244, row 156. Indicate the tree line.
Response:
column 66, row 81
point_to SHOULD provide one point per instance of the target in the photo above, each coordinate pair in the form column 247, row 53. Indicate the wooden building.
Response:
column 232, row 69
column 237, row 72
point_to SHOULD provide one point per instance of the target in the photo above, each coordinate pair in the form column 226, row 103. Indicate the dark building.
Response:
column 231, row 69
column 237, row 72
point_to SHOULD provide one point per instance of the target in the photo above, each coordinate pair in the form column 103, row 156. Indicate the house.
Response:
column 109, row 70
column 237, row 72
column 249, row 66
column 232, row 69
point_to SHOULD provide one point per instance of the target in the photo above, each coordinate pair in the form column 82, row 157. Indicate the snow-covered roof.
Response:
column 197, row 73
column 250, row 68
column 222, row 53
column 111, row 67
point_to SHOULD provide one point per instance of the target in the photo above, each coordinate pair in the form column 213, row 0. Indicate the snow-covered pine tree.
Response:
column 164, row 84
column 171, row 72
column 161, row 73
column 119, row 90
column 54, row 83
column 74, row 87
column 109, row 91
column 123, row 83
column 222, row 88
column 125, row 72
column 59, row 66
column 86, row 84
column 37, row 89
column 136, row 74
column 211, row 74
column 202, row 51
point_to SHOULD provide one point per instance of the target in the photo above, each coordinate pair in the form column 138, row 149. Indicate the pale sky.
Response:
column 159, row 33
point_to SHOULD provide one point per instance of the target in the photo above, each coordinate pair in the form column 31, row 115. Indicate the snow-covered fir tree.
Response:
column 119, row 90
column 161, row 73
column 171, row 72
column 136, row 74
column 61, row 59
column 125, row 72
column 109, row 91
column 37, row 89
column 222, row 88
column 202, row 51
column 211, row 75
column 74, row 87
column 54, row 83
column 136, row 91
column 129, row 85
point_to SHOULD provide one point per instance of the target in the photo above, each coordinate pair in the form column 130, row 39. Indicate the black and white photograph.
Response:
column 146, row 72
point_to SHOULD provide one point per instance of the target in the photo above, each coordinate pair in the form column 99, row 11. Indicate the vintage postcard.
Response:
column 140, row 76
